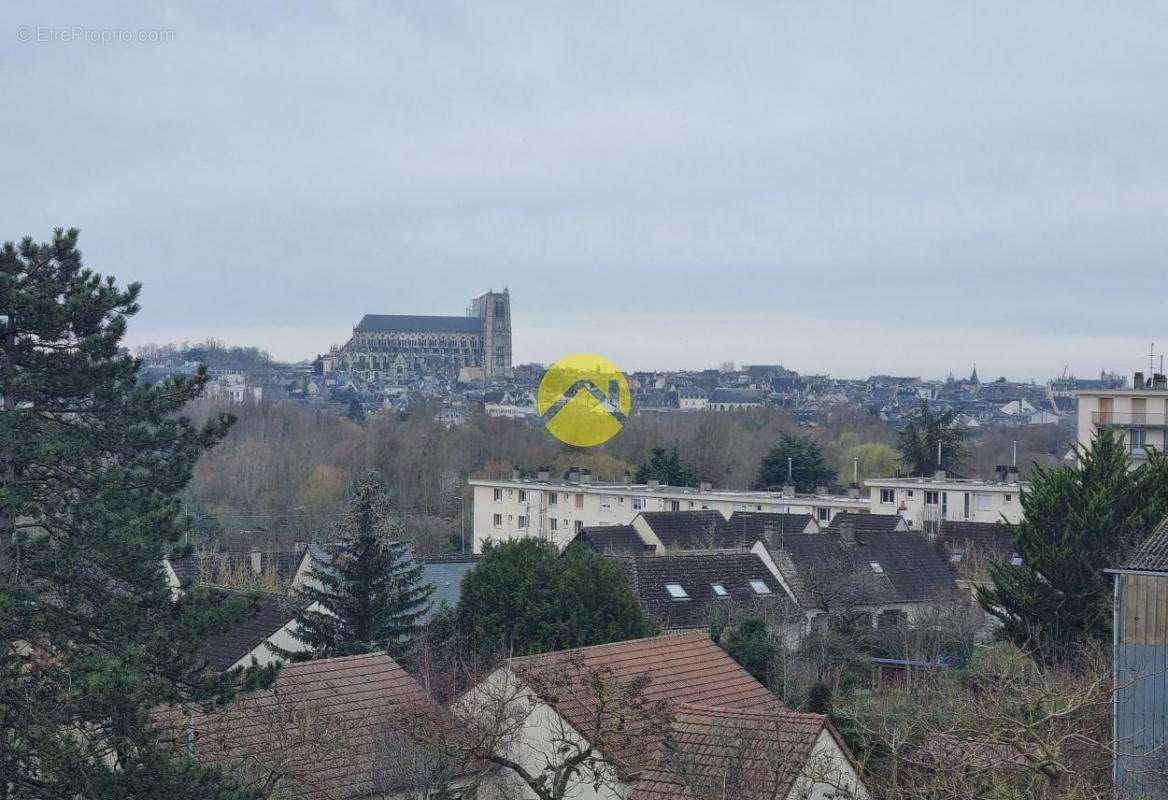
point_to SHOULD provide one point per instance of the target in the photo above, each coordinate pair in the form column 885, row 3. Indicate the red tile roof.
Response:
column 680, row 669
column 323, row 722
column 716, row 752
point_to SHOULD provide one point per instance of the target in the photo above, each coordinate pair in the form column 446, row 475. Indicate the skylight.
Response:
column 875, row 565
column 1016, row 560
column 956, row 556
column 719, row 590
column 676, row 592
column 760, row 587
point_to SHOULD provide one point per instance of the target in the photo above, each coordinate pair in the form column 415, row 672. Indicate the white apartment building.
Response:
column 1139, row 415
column 924, row 500
column 556, row 510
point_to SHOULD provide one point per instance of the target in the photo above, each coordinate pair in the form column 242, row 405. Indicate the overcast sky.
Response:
column 850, row 188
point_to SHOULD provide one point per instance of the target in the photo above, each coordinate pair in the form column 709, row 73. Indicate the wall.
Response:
column 1141, row 677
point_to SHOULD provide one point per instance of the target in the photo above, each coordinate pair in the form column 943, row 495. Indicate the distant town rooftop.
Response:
column 705, row 490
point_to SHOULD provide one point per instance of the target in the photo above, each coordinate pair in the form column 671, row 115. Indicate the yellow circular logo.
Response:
column 584, row 399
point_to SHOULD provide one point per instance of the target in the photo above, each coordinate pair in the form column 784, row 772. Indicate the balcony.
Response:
column 1128, row 419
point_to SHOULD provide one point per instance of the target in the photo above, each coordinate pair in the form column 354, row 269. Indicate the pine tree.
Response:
column 1078, row 521
column 368, row 593
column 925, row 433
column 668, row 467
column 807, row 466
column 91, row 463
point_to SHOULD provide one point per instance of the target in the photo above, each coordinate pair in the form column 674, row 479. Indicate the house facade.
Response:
column 925, row 500
column 1138, row 415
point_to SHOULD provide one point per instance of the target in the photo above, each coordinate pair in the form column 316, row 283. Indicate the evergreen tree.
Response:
column 91, row 464
column 1078, row 521
column 752, row 646
column 668, row 467
column 808, row 467
column 524, row 597
column 368, row 586
column 922, row 434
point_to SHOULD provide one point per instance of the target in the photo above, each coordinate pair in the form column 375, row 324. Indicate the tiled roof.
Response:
column 735, row 396
column 406, row 323
column 679, row 668
column 236, row 567
column 991, row 538
column 868, row 523
column 696, row 574
column 704, row 529
column 1153, row 553
column 323, row 719
column 445, row 573
column 753, row 525
column 224, row 649
column 720, row 752
column 890, row 567
column 612, row 539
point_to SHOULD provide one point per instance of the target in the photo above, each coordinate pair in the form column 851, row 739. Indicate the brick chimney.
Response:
column 847, row 533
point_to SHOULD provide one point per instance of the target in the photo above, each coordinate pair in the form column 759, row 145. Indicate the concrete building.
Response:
column 928, row 500
column 1139, row 414
column 394, row 347
column 558, row 509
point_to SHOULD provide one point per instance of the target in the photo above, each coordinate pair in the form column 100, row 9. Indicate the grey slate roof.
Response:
column 405, row 323
column 693, row 530
column 224, row 649
column 1153, row 553
column 445, row 574
column 612, row 539
column 753, row 525
column 867, row 523
column 992, row 538
column 819, row 567
column 696, row 573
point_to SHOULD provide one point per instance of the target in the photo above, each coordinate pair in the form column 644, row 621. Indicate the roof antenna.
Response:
column 1014, row 462
column 789, row 460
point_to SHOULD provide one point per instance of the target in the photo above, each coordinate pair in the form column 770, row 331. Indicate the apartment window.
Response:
column 985, row 501
column 606, row 501
column 510, row 518
column 876, row 568
column 522, row 496
column 676, row 591
column 887, row 496
column 932, row 498
column 1137, row 440
column 824, row 514
column 522, row 521
column 638, row 503
column 579, row 525
column 580, row 500
column 498, row 495
column 553, row 498
column 760, row 587
column 554, row 524
column 675, row 505
column 965, row 507
column 498, row 520
column 719, row 590
column 1009, row 498
column 911, row 494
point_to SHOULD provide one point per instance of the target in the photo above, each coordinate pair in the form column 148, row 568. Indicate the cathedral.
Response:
column 395, row 348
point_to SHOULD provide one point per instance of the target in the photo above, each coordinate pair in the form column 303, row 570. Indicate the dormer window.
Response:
column 676, row 591
column 760, row 587
column 719, row 590
column 876, row 568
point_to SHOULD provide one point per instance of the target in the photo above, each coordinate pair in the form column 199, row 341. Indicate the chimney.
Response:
column 821, row 490
column 514, row 474
column 705, row 487
column 788, row 490
column 1138, row 380
column 1160, row 381
column 939, row 475
column 770, row 534
column 573, row 474
column 545, row 474
column 654, row 483
column 854, row 491
column 1000, row 470
column 257, row 561
column 300, row 545
column 585, row 476
column 1012, row 475
column 847, row 533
